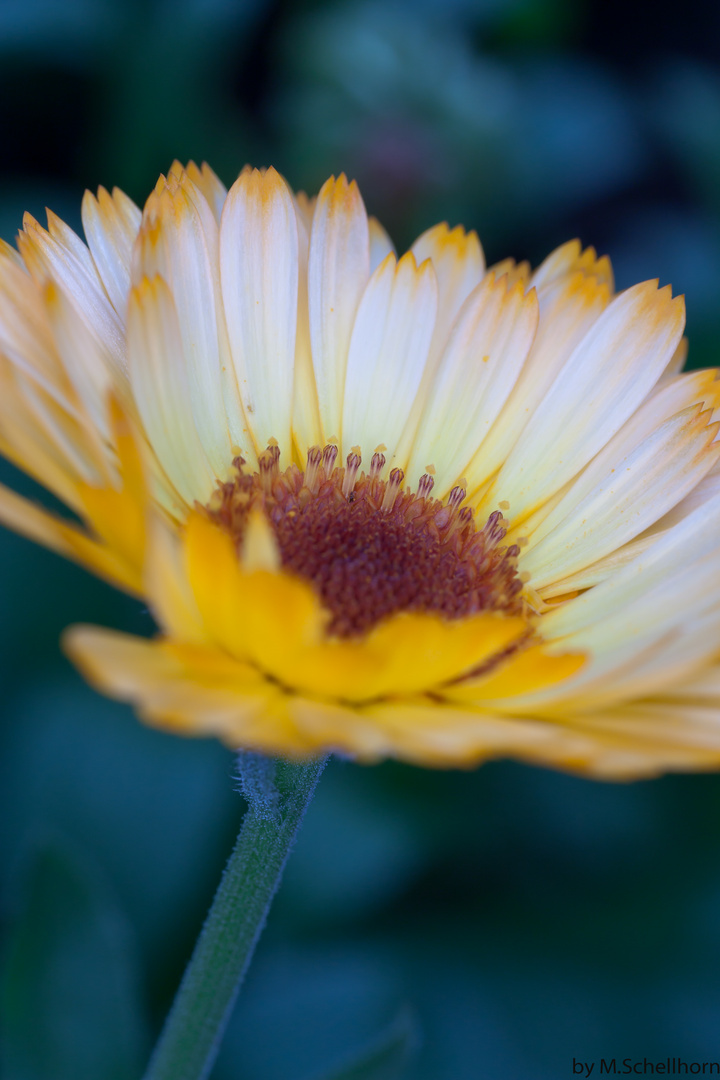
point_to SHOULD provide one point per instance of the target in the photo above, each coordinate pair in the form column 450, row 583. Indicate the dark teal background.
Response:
column 520, row 918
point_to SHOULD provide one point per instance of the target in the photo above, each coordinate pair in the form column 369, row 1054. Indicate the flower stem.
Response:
column 278, row 794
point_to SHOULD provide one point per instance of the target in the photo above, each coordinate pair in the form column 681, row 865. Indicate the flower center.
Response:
column 370, row 547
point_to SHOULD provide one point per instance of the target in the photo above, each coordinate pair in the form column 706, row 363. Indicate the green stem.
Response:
column 278, row 795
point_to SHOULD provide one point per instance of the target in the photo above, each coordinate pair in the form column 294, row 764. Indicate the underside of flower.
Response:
column 370, row 546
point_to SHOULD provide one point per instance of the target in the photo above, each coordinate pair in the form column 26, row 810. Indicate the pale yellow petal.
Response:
column 163, row 391
column 338, row 272
column 607, row 377
column 111, row 223
column 259, row 276
column 475, row 376
column 388, row 353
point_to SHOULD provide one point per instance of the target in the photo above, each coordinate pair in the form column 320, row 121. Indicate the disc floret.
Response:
column 371, row 546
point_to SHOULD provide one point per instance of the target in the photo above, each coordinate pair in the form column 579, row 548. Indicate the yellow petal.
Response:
column 118, row 516
column 532, row 669
column 258, row 615
column 187, row 690
column 405, row 654
column 66, row 539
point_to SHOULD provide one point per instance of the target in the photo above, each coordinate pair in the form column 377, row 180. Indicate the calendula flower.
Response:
column 410, row 508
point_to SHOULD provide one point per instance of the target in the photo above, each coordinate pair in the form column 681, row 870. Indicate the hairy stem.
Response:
column 278, row 794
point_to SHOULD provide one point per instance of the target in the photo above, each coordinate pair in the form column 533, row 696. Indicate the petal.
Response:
column 28, row 444
column 476, row 373
column 111, row 223
column 674, row 554
column 380, row 244
column 405, row 654
column 210, row 185
column 66, row 539
column 166, row 585
column 186, row 689
column 258, row 615
column 338, row 272
column 459, row 266
column 163, row 390
column 632, row 482
column 567, row 260
column 179, row 241
column 77, row 348
column 388, row 352
column 259, row 275
column 442, row 736
column 306, row 409
column 62, row 256
column 569, row 304
column 26, row 339
column 607, row 377
column 276, row 621
column 117, row 511
column 527, row 671
column 67, row 435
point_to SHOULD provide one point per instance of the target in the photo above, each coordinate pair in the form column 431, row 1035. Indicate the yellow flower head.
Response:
column 413, row 508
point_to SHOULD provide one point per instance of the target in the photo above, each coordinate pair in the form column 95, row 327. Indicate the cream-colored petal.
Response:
column 567, row 260
column 388, row 352
column 650, row 641
column 27, row 443
column 677, row 362
column 86, row 367
column 459, row 265
column 26, row 338
column 650, row 738
column 380, row 244
column 304, row 208
column 445, row 736
column 621, row 493
column 602, row 383
column 178, row 241
column 259, row 275
column 703, row 685
column 569, row 305
column 111, row 223
column 338, row 272
column 61, row 255
column 206, row 181
column 474, row 378
column 674, row 554
column 68, row 436
column 11, row 254
column 306, row 425
column 163, row 390
column 707, row 488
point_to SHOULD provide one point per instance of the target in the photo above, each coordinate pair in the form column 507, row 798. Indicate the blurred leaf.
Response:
column 386, row 1057
column 69, row 990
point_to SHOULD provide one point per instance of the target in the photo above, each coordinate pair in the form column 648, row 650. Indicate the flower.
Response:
column 410, row 508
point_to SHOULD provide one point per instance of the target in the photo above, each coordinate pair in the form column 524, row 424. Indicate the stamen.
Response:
column 353, row 463
column 456, row 496
column 425, row 485
column 377, row 464
column 393, row 489
column 329, row 458
column 314, row 460
column 268, row 466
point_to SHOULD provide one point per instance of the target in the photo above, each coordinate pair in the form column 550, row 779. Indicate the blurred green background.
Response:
column 492, row 924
